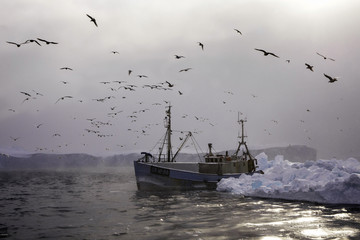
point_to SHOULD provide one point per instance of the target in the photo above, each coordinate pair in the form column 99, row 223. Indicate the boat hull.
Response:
column 153, row 176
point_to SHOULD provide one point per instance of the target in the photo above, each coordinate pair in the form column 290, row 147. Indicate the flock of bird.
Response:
column 95, row 126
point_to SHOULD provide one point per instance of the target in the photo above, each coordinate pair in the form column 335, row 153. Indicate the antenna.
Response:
column 238, row 121
column 241, row 122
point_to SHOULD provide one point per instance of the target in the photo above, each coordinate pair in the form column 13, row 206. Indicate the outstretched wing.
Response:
column 14, row 43
column 260, row 50
column 320, row 55
column 273, row 54
column 238, row 31
column 91, row 18
column 327, row 76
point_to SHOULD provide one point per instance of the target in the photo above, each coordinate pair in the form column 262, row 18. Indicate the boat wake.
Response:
column 322, row 181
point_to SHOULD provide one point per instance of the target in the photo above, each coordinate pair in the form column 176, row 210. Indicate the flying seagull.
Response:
column 47, row 42
column 26, row 99
column 27, row 94
column 17, row 44
column 266, row 53
column 201, row 45
column 238, row 31
column 66, row 68
column 14, row 139
column 92, row 19
column 308, row 66
column 169, row 84
column 142, row 76
column 331, row 79
column 325, row 57
column 115, row 52
column 37, row 93
column 62, row 98
column 185, row 69
column 178, row 56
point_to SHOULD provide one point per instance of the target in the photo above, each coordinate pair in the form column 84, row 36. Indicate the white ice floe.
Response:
column 323, row 181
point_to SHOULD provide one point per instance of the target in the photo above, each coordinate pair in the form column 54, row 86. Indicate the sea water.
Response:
column 105, row 204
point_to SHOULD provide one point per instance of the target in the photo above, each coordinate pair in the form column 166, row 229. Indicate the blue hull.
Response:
column 151, row 176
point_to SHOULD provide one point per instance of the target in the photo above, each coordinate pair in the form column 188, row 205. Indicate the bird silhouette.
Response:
column 17, row 44
column 325, row 57
column 201, row 45
column 142, row 76
column 31, row 41
column 62, row 98
column 129, row 72
column 169, row 84
column 66, row 68
column 26, row 99
column 266, row 53
column 238, row 31
column 27, row 94
column 178, row 56
column 119, row 82
column 14, row 139
column 92, row 19
column 47, row 42
column 115, row 52
column 331, row 79
column 308, row 66
column 185, row 69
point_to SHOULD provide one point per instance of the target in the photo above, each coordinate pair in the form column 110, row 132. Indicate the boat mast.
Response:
column 169, row 159
column 241, row 121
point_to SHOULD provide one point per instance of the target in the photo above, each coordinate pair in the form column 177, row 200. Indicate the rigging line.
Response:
column 196, row 143
column 158, row 142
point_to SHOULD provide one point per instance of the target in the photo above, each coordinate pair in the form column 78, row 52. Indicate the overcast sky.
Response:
column 283, row 101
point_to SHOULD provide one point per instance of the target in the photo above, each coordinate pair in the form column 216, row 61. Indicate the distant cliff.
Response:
column 66, row 161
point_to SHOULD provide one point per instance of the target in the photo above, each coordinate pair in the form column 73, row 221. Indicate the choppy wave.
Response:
column 322, row 181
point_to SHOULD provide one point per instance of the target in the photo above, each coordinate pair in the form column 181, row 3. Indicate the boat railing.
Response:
column 148, row 157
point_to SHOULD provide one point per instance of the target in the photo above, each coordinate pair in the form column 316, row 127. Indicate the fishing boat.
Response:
column 163, row 171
